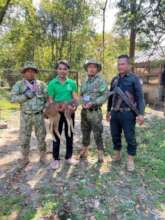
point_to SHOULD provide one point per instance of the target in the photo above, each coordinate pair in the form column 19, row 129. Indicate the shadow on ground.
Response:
column 90, row 190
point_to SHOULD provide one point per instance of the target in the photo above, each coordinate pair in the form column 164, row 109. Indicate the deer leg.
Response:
column 56, row 121
column 69, row 122
column 51, row 128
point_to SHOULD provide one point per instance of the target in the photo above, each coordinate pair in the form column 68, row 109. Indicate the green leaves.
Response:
column 145, row 17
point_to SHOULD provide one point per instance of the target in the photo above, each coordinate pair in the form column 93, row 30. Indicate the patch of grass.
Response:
column 86, row 191
column 12, row 207
column 4, row 93
column 10, row 204
column 28, row 214
column 6, row 107
column 48, row 207
column 151, row 151
column 5, row 103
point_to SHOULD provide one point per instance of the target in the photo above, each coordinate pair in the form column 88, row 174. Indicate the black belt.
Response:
column 95, row 108
column 121, row 109
column 33, row 113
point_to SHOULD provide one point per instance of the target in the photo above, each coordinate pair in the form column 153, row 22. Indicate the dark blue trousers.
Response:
column 123, row 121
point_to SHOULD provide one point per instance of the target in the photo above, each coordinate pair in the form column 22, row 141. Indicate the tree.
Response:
column 61, row 21
column 3, row 9
column 55, row 30
column 103, row 33
column 58, row 29
column 141, row 18
column 114, row 45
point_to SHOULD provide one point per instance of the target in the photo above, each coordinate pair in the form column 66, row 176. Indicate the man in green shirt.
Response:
column 63, row 90
column 94, row 94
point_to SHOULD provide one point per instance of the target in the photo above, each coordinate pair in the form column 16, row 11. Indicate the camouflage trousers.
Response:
column 92, row 121
column 27, row 121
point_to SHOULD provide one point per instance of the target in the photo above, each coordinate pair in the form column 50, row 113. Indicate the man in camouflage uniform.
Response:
column 31, row 94
column 94, row 94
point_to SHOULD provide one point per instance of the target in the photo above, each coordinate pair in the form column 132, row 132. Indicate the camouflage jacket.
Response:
column 95, row 89
column 29, row 105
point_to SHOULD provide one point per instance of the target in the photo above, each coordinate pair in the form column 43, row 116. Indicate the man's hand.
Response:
column 140, row 119
column 50, row 100
column 108, row 116
column 61, row 107
column 71, row 108
column 29, row 94
column 87, row 105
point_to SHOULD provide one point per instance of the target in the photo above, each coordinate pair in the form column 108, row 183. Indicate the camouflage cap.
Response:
column 98, row 64
column 65, row 62
column 29, row 65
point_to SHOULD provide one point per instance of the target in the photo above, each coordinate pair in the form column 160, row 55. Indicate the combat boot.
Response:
column 24, row 161
column 42, row 157
column 83, row 153
column 100, row 156
column 117, row 156
column 130, row 164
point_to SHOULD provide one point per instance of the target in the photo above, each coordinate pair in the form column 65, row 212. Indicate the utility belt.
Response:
column 121, row 109
column 93, row 108
column 33, row 113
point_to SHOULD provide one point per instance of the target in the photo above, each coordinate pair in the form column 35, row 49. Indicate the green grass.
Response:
column 6, row 107
column 108, row 194
column 152, row 149
column 104, row 195
column 117, row 190
column 5, row 103
column 10, row 204
column 4, row 93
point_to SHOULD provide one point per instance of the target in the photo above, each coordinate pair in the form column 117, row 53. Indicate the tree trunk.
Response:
column 70, row 48
column 3, row 10
column 132, row 46
column 104, row 10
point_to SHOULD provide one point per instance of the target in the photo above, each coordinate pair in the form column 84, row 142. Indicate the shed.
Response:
column 149, row 66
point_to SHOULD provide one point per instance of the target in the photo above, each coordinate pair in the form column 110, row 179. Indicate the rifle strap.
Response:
column 117, row 100
column 114, row 85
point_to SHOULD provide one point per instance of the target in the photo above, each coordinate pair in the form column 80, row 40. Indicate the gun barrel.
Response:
column 125, row 99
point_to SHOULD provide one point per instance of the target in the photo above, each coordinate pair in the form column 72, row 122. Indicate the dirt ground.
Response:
column 87, row 191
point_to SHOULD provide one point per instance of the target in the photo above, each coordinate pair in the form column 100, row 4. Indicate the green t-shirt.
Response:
column 62, row 92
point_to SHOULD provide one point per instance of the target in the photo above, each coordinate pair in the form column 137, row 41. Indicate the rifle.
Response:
column 124, row 97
